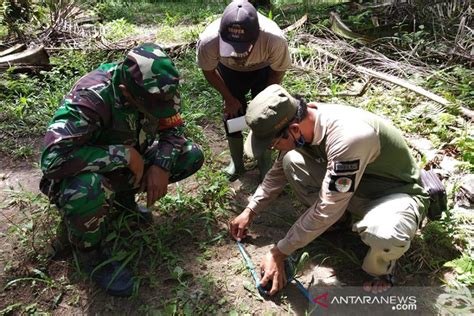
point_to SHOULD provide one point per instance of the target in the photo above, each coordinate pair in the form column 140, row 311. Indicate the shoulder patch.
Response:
column 342, row 184
column 169, row 122
column 346, row 166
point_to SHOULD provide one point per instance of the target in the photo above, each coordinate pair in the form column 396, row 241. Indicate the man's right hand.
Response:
column 238, row 227
column 232, row 107
column 136, row 165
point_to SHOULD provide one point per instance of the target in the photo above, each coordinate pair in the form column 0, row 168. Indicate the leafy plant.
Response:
column 119, row 29
column 464, row 268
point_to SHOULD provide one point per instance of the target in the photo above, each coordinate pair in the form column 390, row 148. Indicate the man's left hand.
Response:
column 273, row 264
column 155, row 182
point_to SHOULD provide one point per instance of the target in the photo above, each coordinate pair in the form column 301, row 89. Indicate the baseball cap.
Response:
column 268, row 113
column 239, row 29
column 151, row 74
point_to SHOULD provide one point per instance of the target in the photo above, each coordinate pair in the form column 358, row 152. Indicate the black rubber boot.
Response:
column 125, row 202
column 115, row 279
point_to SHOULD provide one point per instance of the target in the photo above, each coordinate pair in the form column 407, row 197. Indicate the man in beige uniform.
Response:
column 240, row 53
column 335, row 158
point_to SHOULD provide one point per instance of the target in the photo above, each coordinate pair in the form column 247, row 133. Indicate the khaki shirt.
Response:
column 270, row 49
column 365, row 156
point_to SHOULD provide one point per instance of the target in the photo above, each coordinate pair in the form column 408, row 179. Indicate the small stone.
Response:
column 450, row 165
column 424, row 146
column 465, row 195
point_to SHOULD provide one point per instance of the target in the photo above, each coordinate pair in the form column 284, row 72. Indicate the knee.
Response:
column 197, row 158
column 82, row 193
column 391, row 221
column 388, row 246
column 188, row 163
column 290, row 163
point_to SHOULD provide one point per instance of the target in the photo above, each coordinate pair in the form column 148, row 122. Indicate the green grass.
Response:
column 186, row 226
column 3, row 31
column 27, row 102
column 171, row 13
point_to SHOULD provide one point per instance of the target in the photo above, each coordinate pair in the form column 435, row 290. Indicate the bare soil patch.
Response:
column 215, row 275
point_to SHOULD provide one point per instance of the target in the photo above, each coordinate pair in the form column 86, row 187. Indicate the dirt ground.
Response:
column 232, row 285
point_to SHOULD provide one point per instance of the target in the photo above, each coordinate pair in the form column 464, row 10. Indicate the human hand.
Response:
column 155, row 182
column 238, row 227
column 232, row 107
column 273, row 270
column 136, row 165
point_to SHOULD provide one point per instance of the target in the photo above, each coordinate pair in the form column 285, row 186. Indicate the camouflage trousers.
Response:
column 85, row 200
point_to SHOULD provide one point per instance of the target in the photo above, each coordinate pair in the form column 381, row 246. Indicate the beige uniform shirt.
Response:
column 365, row 155
column 270, row 49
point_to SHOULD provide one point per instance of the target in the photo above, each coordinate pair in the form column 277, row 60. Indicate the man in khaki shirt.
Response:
column 239, row 53
column 336, row 158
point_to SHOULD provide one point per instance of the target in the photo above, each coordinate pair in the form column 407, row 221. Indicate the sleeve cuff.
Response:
column 254, row 207
column 163, row 163
column 285, row 247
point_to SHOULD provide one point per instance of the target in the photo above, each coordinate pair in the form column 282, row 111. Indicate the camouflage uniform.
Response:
column 85, row 159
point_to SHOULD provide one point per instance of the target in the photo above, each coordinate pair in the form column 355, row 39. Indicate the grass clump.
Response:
column 27, row 102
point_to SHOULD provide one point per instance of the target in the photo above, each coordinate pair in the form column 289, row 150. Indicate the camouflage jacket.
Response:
column 89, row 131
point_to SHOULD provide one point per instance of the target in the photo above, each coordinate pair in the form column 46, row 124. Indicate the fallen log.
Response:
column 36, row 56
column 14, row 49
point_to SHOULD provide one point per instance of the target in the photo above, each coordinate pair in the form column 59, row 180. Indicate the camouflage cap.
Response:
column 149, row 67
column 268, row 113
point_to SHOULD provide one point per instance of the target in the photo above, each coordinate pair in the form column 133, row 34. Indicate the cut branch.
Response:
column 297, row 24
column 386, row 77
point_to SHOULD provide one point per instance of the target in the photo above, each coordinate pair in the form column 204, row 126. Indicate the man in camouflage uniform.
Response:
column 117, row 132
